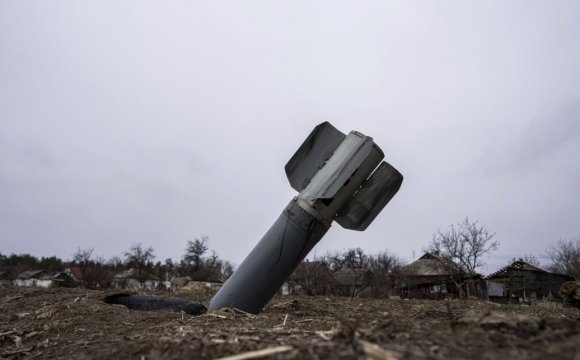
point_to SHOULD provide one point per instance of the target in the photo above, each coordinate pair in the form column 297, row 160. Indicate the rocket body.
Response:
column 339, row 178
column 271, row 262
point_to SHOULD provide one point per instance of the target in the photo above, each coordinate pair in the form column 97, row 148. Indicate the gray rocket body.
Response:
column 271, row 262
column 339, row 178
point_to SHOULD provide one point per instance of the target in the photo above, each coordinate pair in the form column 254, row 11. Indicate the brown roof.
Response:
column 427, row 265
column 518, row 265
column 31, row 274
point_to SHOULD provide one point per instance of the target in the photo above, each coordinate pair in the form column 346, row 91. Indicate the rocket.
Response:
column 338, row 177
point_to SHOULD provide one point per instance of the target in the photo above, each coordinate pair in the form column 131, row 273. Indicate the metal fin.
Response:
column 314, row 151
column 371, row 198
column 347, row 158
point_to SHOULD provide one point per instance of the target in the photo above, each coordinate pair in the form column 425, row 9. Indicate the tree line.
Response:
column 197, row 262
column 462, row 248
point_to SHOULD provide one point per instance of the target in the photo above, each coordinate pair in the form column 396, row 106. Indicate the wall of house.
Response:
column 34, row 283
column 536, row 284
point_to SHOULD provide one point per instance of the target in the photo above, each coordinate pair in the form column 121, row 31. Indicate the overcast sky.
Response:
column 158, row 122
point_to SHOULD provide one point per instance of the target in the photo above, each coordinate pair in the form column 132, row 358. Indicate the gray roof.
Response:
column 132, row 273
column 426, row 265
column 518, row 265
column 31, row 274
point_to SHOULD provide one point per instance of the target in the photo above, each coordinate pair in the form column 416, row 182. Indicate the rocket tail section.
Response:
column 373, row 195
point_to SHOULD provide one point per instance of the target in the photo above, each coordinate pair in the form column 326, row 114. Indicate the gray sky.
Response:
column 158, row 122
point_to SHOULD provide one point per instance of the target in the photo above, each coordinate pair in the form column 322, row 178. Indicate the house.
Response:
column 353, row 282
column 76, row 272
column 44, row 278
column 425, row 278
column 431, row 277
column 134, row 279
column 310, row 278
column 525, row 281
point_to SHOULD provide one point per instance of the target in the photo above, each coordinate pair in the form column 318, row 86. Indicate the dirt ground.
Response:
column 77, row 324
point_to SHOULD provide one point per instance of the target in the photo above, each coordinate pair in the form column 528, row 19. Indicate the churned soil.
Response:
column 77, row 324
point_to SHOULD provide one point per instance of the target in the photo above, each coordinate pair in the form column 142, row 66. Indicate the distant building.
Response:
column 133, row 279
column 524, row 281
column 430, row 277
column 44, row 278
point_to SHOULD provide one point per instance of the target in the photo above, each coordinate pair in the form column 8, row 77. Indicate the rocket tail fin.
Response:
column 373, row 195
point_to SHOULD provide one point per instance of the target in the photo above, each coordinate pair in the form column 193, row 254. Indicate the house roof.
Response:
column 427, row 265
column 132, row 273
column 518, row 265
column 76, row 272
column 31, row 274
column 352, row 277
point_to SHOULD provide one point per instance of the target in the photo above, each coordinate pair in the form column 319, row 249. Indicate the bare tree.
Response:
column 139, row 258
column 227, row 269
column 115, row 262
column 94, row 272
column 386, row 268
column 201, row 266
column 194, row 251
column 348, row 259
column 461, row 250
column 565, row 257
column 82, row 258
column 356, row 259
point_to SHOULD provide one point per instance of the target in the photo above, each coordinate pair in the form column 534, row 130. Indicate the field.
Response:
column 77, row 324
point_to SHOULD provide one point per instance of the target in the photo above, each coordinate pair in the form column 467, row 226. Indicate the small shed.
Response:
column 526, row 281
column 135, row 279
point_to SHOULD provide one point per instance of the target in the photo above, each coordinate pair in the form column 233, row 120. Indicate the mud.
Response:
column 78, row 324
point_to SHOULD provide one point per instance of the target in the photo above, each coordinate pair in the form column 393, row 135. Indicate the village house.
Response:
column 44, row 278
column 133, row 279
column 524, row 281
column 430, row 277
